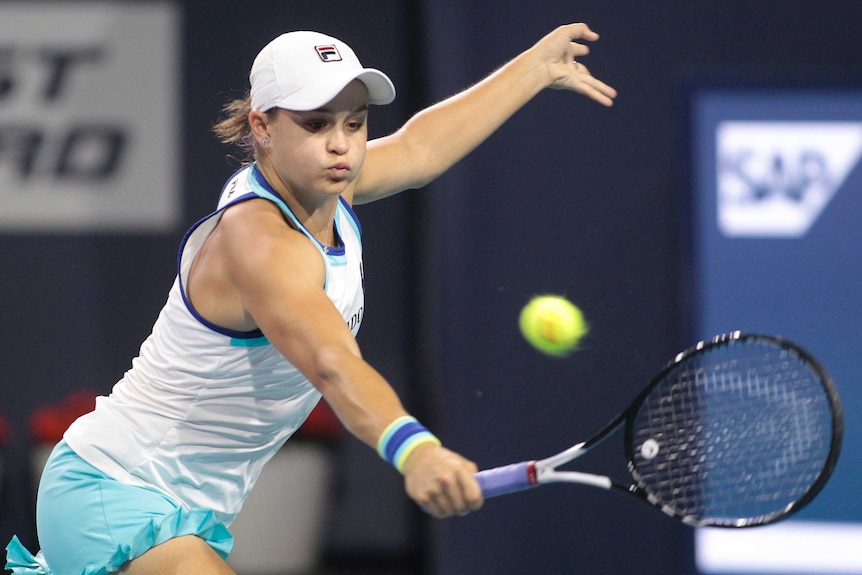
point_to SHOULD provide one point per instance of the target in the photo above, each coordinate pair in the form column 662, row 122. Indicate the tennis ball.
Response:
column 552, row 324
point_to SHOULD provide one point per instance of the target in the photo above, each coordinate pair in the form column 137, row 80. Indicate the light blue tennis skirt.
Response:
column 91, row 524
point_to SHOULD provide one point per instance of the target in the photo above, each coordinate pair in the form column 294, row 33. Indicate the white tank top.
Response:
column 202, row 407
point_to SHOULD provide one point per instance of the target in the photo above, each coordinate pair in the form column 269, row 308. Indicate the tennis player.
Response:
column 261, row 319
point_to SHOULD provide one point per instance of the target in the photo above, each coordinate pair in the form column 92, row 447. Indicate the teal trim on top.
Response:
column 337, row 257
column 352, row 218
column 249, row 341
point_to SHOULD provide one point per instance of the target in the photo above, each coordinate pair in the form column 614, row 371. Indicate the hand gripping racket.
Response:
column 740, row 431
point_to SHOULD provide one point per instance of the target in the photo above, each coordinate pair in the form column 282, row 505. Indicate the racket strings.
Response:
column 732, row 434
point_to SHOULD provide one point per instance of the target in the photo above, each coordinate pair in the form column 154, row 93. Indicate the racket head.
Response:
column 740, row 431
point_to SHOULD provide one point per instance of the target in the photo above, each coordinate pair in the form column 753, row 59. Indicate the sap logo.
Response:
column 774, row 179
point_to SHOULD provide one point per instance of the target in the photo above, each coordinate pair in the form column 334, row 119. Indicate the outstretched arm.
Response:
column 439, row 136
column 277, row 276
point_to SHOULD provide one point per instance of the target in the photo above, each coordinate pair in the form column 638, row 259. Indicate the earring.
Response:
column 265, row 141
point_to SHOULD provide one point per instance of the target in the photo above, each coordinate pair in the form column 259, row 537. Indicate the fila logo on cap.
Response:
column 328, row 53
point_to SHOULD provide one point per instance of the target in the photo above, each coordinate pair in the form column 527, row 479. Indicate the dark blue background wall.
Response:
column 568, row 197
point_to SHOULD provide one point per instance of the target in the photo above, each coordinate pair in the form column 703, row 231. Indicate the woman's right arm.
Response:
column 279, row 276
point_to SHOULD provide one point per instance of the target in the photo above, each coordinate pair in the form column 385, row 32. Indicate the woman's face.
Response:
column 321, row 152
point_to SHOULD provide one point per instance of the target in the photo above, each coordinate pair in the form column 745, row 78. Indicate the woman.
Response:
column 261, row 319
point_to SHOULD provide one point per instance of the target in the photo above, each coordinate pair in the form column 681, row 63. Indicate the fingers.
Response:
column 442, row 482
column 561, row 50
column 451, row 496
column 575, row 76
column 576, row 50
column 579, row 30
column 594, row 88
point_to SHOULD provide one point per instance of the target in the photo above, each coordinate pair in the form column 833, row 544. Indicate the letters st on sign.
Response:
column 89, row 103
column 85, row 150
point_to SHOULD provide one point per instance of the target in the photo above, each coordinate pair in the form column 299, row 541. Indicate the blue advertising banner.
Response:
column 777, row 249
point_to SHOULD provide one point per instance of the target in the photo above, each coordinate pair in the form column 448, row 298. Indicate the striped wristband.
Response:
column 400, row 438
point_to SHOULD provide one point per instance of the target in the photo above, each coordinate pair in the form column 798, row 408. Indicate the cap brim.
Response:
column 380, row 90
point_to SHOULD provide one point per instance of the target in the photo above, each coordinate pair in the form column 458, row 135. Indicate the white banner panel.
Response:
column 90, row 96
column 797, row 547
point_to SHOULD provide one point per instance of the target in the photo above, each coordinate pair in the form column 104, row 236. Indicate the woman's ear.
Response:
column 259, row 126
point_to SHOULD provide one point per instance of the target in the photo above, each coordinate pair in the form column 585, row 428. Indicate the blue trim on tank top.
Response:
column 270, row 194
column 234, row 334
column 336, row 256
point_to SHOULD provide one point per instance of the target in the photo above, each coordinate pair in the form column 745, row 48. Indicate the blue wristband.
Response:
column 400, row 438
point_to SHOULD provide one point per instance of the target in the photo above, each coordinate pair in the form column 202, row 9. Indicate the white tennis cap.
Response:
column 304, row 70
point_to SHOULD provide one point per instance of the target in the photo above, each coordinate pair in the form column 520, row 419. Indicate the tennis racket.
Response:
column 740, row 431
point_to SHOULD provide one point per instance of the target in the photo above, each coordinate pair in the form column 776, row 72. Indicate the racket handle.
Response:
column 507, row 479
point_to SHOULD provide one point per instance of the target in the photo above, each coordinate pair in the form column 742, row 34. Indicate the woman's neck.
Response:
column 315, row 212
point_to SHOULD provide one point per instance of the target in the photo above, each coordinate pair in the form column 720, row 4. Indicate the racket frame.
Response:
column 837, row 436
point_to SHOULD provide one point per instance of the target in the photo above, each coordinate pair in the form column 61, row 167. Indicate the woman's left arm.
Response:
column 439, row 136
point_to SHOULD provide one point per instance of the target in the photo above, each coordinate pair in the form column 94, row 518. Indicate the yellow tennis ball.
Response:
column 552, row 324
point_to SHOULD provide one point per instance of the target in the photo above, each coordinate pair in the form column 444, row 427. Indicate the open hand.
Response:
column 560, row 50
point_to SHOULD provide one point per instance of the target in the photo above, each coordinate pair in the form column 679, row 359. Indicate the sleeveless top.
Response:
column 203, row 408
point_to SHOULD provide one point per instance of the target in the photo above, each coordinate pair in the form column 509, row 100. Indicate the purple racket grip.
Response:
column 507, row 479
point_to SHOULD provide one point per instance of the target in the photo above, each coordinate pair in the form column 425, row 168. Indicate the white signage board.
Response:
column 90, row 96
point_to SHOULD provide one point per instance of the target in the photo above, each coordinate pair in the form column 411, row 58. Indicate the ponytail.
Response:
column 233, row 127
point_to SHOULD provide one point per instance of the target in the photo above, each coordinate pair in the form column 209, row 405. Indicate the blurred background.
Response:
column 106, row 158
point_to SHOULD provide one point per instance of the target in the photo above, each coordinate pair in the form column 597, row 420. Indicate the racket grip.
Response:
column 507, row 479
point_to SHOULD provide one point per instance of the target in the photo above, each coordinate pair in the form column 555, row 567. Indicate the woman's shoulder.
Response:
column 256, row 218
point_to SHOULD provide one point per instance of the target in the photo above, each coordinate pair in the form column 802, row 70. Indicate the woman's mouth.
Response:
column 339, row 171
